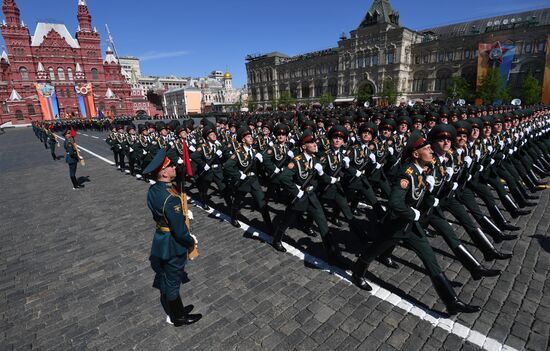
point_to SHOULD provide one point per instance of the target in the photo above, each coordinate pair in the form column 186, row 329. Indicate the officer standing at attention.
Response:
column 171, row 241
column 52, row 141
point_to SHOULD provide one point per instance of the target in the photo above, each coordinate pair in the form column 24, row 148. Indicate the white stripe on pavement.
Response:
column 93, row 153
column 434, row 318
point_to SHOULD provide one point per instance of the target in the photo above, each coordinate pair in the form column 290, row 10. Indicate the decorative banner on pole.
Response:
column 48, row 101
column 86, row 100
column 546, row 82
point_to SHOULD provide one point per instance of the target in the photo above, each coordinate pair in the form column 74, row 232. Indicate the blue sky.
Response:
column 192, row 38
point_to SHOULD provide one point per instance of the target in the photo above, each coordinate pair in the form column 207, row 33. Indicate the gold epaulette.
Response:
column 298, row 158
column 409, row 171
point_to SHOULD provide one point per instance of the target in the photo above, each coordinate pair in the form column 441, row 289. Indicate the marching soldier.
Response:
column 52, row 141
column 409, row 200
column 72, row 158
column 301, row 178
column 242, row 171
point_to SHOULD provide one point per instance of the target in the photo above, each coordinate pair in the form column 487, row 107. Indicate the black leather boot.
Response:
column 386, row 260
column 379, row 211
column 447, row 294
column 533, row 188
column 278, row 237
column 331, row 249
column 500, row 220
column 204, row 200
column 483, row 243
column 522, row 202
column 472, row 265
column 511, row 207
column 491, row 229
column 178, row 315
column 536, row 179
column 75, row 183
column 358, row 274
column 267, row 220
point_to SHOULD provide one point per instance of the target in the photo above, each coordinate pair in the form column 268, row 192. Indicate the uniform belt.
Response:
column 250, row 174
column 163, row 229
column 215, row 166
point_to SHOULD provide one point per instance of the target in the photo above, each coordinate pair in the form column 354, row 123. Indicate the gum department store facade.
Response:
column 420, row 62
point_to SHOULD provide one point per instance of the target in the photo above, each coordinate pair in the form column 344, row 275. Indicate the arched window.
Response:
column 24, row 73
column 375, row 57
column 52, row 73
column 442, row 80
column 70, row 73
column 60, row 73
column 19, row 115
column 95, row 74
column 31, row 110
column 390, row 59
column 420, row 82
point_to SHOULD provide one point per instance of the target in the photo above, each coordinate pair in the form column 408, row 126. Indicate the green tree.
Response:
column 252, row 104
column 531, row 90
column 364, row 94
column 459, row 89
column 389, row 90
column 326, row 99
column 492, row 87
column 286, row 99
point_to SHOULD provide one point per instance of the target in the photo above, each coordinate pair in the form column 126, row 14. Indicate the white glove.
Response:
column 436, row 202
column 300, row 194
column 206, row 167
column 515, row 148
column 319, row 169
column 481, row 168
column 450, row 171
column 333, row 180
column 469, row 177
column 468, row 161
column 131, row 150
column 390, row 150
column 478, row 154
column 180, row 161
column 190, row 215
column 378, row 165
column 243, row 176
column 346, row 161
column 290, row 154
column 492, row 162
column 501, row 144
column 192, row 148
column 431, row 182
column 510, row 141
column 277, row 170
column 372, row 157
column 80, row 157
column 455, row 186
column 292, row 141
column 459, row 151
column 416, row 214
column 358, row 174
column 490, row 148
column 510, row 152
column 270, row 143
column 144, row 152
column 259, row 157
column 219, row 153
column 194, row 237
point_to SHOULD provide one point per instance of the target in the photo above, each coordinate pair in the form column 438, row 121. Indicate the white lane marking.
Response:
column 84, row 134
column 93, row 153
column 434, row 318
column 95, row 137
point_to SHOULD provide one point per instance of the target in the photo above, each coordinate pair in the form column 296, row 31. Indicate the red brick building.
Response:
column 54, row 57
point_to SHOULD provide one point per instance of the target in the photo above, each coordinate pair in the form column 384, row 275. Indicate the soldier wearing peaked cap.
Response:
column 410, row 198
column 130, row 149
column 301, row 178
column 241, row 170
column 172, row 240
column 208, row 160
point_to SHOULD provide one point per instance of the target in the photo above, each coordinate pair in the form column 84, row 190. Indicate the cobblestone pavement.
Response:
column 74, row 274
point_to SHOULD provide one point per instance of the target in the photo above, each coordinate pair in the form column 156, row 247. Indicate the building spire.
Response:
column 380, row 11
column 84, row 17
column 11, row 12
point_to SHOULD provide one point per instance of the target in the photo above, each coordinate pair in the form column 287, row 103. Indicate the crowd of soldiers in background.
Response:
column 344, row 163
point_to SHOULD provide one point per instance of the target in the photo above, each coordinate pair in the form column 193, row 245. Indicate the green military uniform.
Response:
column 409, row 199
column 170, row 245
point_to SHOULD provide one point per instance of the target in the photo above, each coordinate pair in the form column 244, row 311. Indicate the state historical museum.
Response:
column 52, row 75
